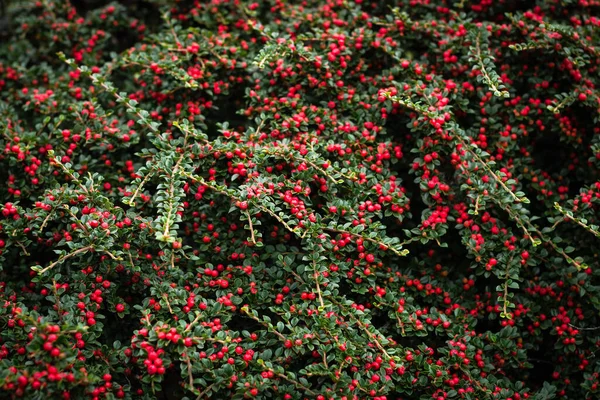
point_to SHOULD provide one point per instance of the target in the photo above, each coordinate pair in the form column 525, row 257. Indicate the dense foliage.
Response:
column 338, row 199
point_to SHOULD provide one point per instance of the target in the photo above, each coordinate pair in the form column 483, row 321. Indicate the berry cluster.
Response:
column 322, row 199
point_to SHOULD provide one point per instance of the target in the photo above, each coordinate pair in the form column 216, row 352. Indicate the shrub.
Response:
column 333, row 199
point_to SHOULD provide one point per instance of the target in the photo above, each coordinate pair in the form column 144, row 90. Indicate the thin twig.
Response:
column 62, row 259
column 189, row 372
column 166, row 297
column 208, row 388
column 316, row 276
column 375, row 241
column 189, row 327
column 251, row 227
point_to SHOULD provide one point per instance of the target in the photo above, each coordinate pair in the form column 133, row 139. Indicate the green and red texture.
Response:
column 300, row 200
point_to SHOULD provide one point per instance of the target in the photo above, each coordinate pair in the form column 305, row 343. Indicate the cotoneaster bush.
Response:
column 300, row 200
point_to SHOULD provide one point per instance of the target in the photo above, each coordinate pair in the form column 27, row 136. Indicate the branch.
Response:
column 64, row 258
